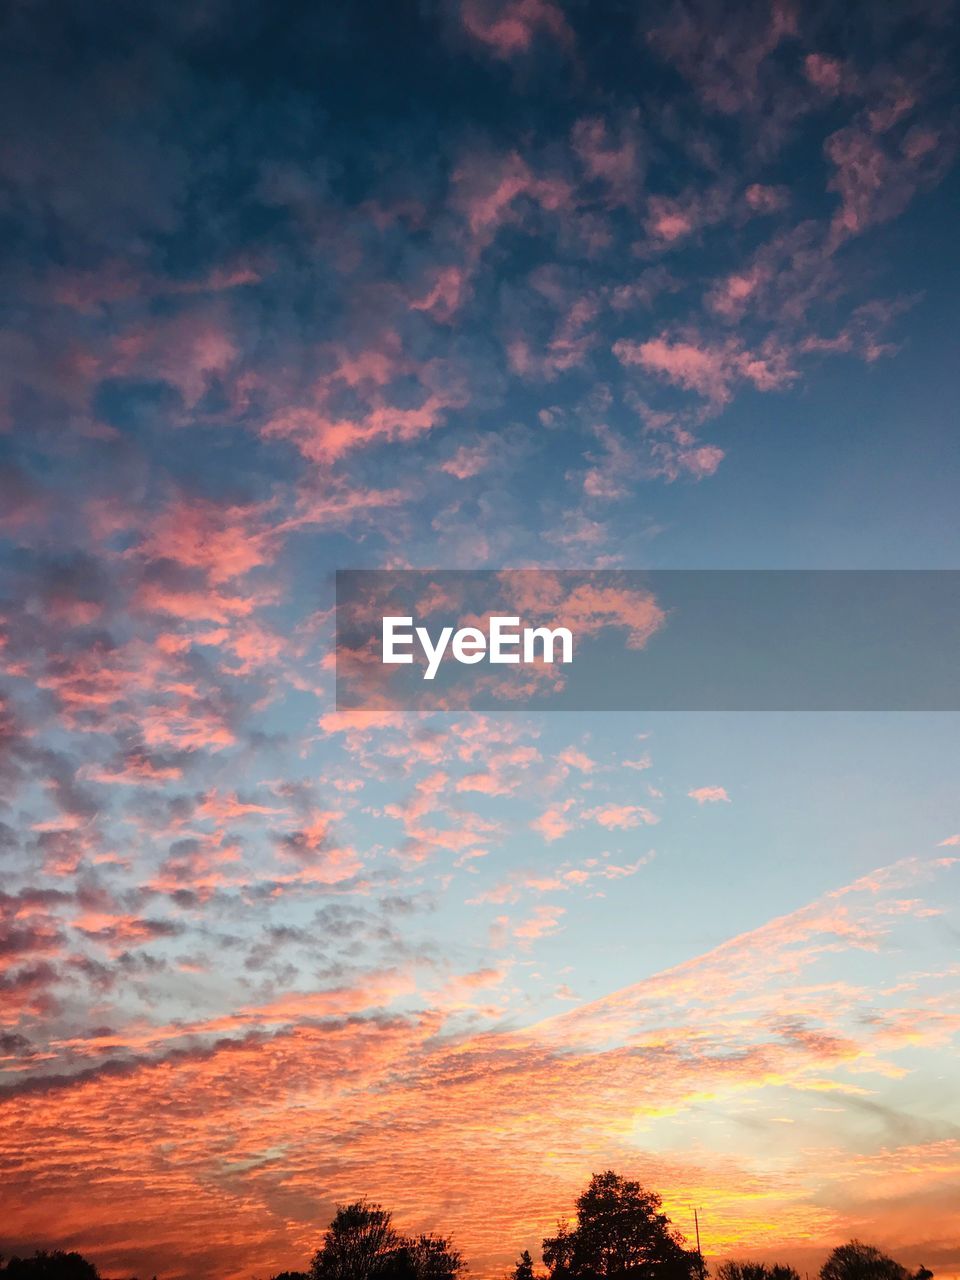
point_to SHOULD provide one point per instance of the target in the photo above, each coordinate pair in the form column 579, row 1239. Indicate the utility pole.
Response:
column 696, row 1223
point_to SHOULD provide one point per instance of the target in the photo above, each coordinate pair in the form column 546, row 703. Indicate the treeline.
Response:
column 620, row 1233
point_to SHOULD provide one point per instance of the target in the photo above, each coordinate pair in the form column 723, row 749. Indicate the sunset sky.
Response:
column 289, row 288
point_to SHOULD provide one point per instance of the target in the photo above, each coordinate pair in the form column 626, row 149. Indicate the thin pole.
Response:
column 696, row 1223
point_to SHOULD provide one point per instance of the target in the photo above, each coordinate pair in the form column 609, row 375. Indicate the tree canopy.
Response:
column 858, row 1261
column 362, row 1244
column 620, row 1231
column 56, row 1265
column 755, row 1271
column 523, row 1269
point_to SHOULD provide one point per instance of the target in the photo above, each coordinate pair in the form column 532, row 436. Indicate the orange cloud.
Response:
column 231, row 1150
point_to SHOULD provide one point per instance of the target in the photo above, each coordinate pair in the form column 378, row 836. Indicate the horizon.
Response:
column 706, row 1264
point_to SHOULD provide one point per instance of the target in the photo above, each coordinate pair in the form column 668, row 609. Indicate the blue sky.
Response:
column 468, row 283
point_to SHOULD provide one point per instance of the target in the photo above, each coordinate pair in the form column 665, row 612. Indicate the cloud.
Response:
column 727, row 62
column 223, row 542
column 876, row 177
column 507, row 28
column 445, row 296
column 708, row 795
column 553, row 824
column 610, row 155
column 264, row 328
column 470, row 460
column 577, row 759
column 324, row 435
column 756, row 1026
column 621, row 817
column 710, row 370
column 542, row 923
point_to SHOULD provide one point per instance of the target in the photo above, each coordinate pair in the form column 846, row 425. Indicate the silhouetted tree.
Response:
column 291, row 1275
column 524, row 1268
column 858, row 1261
column 424, row 1258
column 50, row 1266
column 558, row 1250
column 620, row 1231
column 755, row 1271
column 361, row 1244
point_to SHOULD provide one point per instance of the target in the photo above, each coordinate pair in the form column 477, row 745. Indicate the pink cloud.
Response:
column 731, row 296
column 323, row 433
column 668, row 221
column 505, row 772
column 137, row 769
column 89, row 291
column 544, row 921
column 644, row 762
column 323, row 438
column 829, row 75
column 702, row 461
column 709, row 370
column 766, row 199
column 489, row 783
column 567, row 348
column 191, row 351
column 726, row 65
column 469, row 460
column 334, row 502
column 485, row 189
column 875, row 176
column 553, row 823
column 445, row 297
column 588, row 607
column 708, row 795
column 227, row 807
column 610, row 159
column 508, row 27
column 459, row 991
column 197, row 604
column 223, row 541
column 577, row 759
column 609, row 475
column 621, row 817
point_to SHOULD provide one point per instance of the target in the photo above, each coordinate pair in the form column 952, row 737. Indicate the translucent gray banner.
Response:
column 663, row 640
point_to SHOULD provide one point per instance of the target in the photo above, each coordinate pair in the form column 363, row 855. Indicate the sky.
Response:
column 291, row 288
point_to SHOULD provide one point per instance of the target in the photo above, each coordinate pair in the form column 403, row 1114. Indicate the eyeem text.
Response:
column 503, row 642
